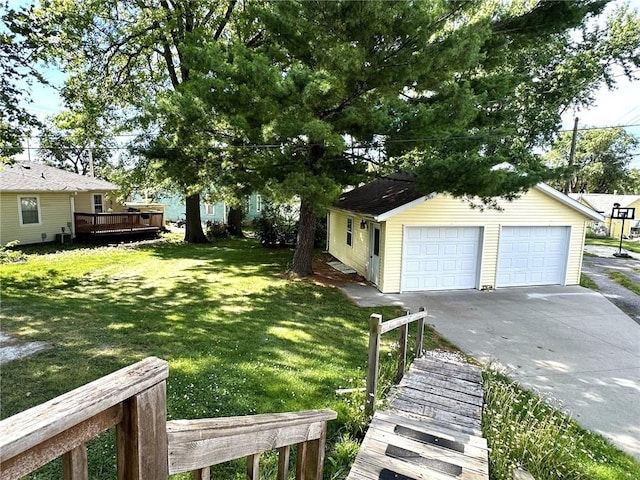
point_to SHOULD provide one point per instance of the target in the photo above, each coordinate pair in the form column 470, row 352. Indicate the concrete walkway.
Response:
column 568, row 343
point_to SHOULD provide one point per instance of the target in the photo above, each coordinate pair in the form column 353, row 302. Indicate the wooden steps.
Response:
column 431, row 428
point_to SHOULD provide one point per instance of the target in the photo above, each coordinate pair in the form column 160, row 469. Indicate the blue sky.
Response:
column 612, row 108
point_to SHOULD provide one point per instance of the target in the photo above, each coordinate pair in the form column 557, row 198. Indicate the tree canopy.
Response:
column 301, row 98
column 601, row 162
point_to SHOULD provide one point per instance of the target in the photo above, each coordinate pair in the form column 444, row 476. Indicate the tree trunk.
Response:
column 234, row 222
column 193, row 229
column 303, row 256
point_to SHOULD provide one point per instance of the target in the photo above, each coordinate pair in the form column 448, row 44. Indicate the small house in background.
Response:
column 40, row 204
column 402, row 240
column 175, row 208
column 603, row 203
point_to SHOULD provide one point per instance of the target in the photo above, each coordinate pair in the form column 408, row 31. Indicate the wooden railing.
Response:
column 147, row 446
column 376, row 328
column 102, row 224
column 194, row 445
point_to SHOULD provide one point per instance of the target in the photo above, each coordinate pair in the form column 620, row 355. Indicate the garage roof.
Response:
column 388, row 196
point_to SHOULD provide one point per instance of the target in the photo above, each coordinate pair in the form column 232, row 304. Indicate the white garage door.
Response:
column 440, row 258
column 532, row 256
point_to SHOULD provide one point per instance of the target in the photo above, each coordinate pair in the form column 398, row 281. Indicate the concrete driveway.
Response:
column 568, row 343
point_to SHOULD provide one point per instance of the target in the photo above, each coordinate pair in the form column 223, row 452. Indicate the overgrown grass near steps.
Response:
column 524, row 431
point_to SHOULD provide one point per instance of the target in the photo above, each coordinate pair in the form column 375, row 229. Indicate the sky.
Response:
column 612, row 108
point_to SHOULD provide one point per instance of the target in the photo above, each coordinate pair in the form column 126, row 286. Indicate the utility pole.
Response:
column 90, row 156
column 572, row 154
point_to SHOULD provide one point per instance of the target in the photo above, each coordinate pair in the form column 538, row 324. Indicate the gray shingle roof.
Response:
column 35, row 177
column 603, row 202
column 381, row 195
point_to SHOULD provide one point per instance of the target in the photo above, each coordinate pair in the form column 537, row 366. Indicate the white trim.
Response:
column 569, row 202
column 22, row 224
column 349, row 232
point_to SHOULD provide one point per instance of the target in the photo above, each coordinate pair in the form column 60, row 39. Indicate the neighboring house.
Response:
column 38, row 202
column 175, row 209
column 401, row 240
column 603, row 203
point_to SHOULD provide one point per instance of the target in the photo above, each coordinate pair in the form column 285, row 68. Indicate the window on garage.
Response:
column 350, row 231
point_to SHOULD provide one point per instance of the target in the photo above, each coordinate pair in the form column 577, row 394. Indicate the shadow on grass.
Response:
column 239, row 339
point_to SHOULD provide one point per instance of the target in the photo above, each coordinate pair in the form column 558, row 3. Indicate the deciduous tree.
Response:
column 601, row 163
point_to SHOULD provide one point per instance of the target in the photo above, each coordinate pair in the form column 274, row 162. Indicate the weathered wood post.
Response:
column 420, row 335
column 284, row 454
column 310, row 457
column 74, row 464
column 142, row 436
column 402, row 350
column 375, row 322
column 253, row 467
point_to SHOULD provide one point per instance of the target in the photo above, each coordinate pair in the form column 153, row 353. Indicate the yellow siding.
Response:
column 55, row 213
column 84, row 202
column 357, row 255
column 532, row 209
column 615, row 226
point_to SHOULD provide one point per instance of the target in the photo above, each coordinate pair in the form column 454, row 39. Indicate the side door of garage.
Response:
column 529, row 256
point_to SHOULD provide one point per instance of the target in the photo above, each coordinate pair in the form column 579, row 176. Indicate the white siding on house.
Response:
column 532, row 209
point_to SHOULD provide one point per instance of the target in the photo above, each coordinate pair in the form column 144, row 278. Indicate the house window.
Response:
column 246, row 207
column 258, row 203
column 98, row 204
column 211, row 209
column 350, row 231
column 29, row 210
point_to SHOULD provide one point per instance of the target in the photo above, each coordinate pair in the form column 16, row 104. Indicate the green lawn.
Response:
column 614, row 242
column 239, row 338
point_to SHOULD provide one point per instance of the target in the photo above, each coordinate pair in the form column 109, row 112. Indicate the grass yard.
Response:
column 614, row 242
column 625, row 281
column 239, row 338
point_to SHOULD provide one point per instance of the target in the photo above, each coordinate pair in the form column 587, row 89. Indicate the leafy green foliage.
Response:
column 277, row 226
column 9, row 255
column 20, row 50
column 602, row 160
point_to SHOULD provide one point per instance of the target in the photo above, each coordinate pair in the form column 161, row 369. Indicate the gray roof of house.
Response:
column 35, row 177
column 603, row 202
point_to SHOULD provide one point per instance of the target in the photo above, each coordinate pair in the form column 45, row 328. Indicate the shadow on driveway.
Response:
column 568, row 343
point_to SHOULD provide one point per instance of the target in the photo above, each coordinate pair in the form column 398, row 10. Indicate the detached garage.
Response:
column 403, row 241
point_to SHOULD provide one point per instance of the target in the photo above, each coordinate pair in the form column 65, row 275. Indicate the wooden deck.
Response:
column 431, row 428
column 100, row 225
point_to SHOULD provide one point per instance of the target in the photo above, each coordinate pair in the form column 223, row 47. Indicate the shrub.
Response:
column 277, row 226
column 215, row 230
column 8, row 255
